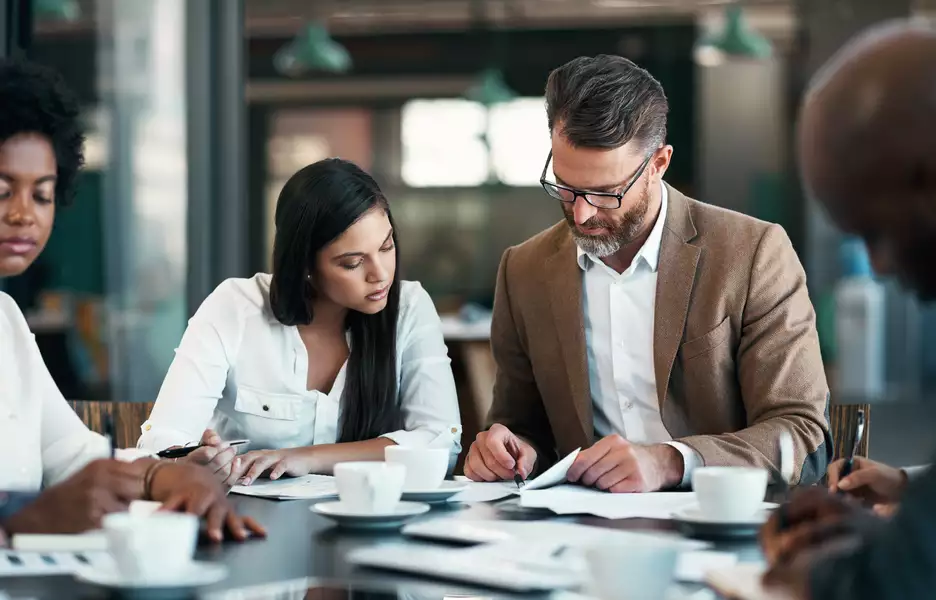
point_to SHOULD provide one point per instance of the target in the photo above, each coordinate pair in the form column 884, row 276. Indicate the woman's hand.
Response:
column 186, row 487
column 218, row 457
column 293, row 462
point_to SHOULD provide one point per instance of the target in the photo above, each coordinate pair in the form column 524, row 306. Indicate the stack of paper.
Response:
column 307, row 487
column 575, row 500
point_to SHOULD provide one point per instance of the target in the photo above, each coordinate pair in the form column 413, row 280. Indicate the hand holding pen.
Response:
column 218, row 456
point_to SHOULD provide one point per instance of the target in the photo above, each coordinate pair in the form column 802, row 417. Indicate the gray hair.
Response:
column 605, row 102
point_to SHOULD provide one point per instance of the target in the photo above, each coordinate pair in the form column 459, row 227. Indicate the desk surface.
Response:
column 302, row 544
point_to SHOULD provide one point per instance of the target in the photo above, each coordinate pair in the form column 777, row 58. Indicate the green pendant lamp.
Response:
column 57, row 10
column 490, row 88
column 312, row 50
column 735, row 41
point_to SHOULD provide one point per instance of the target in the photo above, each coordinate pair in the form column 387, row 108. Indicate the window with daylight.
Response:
column 444, row 142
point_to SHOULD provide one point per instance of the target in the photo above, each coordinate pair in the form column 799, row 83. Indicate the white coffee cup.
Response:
column 153, row 548
column 425, row 467
column 729, row 493
column 636, row 570
column 370, row 487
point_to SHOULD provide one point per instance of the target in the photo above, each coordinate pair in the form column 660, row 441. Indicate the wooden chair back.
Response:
column 842, row 421
column 127, row 418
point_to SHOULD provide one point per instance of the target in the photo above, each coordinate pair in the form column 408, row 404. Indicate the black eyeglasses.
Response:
column 605, row 200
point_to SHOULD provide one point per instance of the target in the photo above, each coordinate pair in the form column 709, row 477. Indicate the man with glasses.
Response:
column 657, row 333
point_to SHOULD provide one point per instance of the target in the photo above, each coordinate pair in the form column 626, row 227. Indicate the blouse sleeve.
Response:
column 427, row 387
column 198, row 374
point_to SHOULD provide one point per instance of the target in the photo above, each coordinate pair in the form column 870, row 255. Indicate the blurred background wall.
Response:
column 199, row 110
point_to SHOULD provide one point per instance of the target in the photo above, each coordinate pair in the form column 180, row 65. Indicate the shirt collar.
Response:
column 649, row 252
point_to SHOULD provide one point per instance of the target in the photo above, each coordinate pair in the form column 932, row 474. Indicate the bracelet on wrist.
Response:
column 149, row 476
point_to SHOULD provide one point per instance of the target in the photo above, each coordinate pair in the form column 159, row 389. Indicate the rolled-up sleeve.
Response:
column 427, row 387
column 197, row 375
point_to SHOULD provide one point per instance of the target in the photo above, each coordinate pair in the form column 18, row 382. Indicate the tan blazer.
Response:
column 735, row 349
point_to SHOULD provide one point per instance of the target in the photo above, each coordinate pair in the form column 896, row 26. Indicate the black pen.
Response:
column 186, row 450
column 109, row 434
column 849, row 465
column 515, row 452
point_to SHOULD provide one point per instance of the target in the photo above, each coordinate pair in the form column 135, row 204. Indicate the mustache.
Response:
column 592, row 223
column 595, row 223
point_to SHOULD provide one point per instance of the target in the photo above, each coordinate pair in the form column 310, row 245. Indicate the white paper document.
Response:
column 546, row 556
column 743, row 582
column 31, row 564
column 497, row 490
column 307, row 487
column 544, row 536
column 692, row 567
column 577, row 500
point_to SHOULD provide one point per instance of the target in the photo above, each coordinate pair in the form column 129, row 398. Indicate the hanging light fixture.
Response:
column 490, row 88
column 58, row 10
column 736, row 41
column 313, row 49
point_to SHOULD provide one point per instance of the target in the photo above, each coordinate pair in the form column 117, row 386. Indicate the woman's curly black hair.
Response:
column 34, row 99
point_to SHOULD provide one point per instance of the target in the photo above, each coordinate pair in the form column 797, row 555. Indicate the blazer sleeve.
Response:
column 779, row 370
column 895, row 561
column 517, row 403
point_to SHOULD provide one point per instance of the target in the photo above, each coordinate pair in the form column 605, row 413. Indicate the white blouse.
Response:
column 42, row 440
column 241, row 372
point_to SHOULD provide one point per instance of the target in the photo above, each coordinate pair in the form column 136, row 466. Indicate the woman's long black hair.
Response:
column 318, row 204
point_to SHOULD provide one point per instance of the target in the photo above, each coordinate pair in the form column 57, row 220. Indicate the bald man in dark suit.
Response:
column 867, row 150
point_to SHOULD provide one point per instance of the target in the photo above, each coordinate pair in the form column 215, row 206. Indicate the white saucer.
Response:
column 695, row 515
column 338, row 512
column 198, row 574
column 692, row 523
column 446, row 490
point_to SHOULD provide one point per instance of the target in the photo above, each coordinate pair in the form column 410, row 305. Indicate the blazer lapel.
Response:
column 564, row 280
column 675, row 276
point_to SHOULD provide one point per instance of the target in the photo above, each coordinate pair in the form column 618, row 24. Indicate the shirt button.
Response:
column 265, row 407
column 628, row 405
column 147, row 427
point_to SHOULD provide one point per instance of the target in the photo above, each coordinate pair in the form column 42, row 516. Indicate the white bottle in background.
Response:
column 859, row 328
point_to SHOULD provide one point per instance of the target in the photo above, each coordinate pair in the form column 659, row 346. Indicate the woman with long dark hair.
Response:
column 329, row 359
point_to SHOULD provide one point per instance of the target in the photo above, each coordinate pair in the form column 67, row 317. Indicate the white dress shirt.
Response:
column 42, row 440
column 618, row 314
column 241, row 372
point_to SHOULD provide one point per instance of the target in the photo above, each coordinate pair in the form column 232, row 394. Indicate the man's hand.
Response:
column 293, row 462
column 217, row 457
column 189, row 488
column 876, row 484
column 490, row 460
column 616, row 465
column 80, row 502
column 813, row 518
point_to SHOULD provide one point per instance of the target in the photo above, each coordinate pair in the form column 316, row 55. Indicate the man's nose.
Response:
column 582, row 210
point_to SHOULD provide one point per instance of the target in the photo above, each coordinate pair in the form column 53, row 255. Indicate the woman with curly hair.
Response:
column 47, row 447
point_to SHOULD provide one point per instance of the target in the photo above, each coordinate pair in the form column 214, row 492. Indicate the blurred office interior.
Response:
column 199, row 110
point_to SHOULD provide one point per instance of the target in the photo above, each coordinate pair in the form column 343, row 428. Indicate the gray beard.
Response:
column 598, row 246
